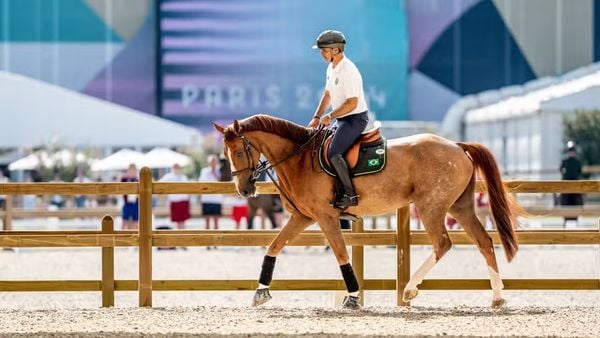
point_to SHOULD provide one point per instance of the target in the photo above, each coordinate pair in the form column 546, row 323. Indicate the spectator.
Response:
column 211, row 203
column 570, row 169
column 179, row 203
column 129, row 212
column 239, row 211
column 81, row 178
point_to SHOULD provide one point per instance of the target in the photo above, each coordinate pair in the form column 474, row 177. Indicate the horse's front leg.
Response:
column 333, row 232
column 294, row 226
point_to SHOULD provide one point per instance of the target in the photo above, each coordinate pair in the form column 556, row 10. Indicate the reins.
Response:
column 265, row 166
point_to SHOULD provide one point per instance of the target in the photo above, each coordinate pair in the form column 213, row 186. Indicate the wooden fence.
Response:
column 145, row 238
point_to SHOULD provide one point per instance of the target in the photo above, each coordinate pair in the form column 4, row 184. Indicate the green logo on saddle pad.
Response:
column 373, row 162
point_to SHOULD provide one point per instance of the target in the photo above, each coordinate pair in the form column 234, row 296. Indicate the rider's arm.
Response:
column 323, row 104
column 348, row 106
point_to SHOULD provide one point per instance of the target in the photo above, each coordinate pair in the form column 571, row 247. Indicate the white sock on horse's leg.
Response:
column 417, row 278
column 262, row 286
column 496, row 282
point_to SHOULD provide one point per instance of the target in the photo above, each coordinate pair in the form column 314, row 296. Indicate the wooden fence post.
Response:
column 358, row 260
column 8, row 208
column 403, row 252
column 108, row 265
column 145, row 238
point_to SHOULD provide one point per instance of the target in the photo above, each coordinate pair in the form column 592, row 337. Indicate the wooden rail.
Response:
column 107, row 238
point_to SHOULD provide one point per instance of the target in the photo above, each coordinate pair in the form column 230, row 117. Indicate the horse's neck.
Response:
column 276, row 149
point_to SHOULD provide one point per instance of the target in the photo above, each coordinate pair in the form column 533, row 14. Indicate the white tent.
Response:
column 35, row 113
column 32, row 161
column 165, row 158
column 119, row 160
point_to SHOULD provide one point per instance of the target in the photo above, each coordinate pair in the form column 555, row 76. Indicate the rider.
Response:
column 344, row 92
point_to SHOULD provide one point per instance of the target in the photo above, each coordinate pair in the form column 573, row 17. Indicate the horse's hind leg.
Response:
column 464, row 212
column 295, row 225
column 433, row 222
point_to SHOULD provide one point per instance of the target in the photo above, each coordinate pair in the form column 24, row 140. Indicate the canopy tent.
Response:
column 165, row 158
column 35, row 113
column 119, row 160
column 32, row 161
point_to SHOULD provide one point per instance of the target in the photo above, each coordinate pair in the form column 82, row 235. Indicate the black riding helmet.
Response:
column 330, row 39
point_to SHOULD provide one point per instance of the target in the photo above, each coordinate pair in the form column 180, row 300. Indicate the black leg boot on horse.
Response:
column 348, row 198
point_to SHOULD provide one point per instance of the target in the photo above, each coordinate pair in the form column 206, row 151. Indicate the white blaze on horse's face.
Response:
column 233, row 167
column 238, row 159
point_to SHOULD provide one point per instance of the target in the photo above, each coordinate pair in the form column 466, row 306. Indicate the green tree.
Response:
column 583, row 128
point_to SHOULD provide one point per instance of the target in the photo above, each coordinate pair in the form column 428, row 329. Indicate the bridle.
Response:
column 265, row 166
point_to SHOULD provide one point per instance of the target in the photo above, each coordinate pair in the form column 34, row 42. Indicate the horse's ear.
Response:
column 219, row 128
column 236, row 126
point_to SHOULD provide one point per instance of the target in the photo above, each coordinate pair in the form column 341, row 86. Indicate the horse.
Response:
column 434, row 173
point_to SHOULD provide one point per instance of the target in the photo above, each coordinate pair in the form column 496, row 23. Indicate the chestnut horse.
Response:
column 434, row 173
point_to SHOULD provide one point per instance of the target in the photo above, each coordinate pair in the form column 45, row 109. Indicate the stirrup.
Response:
column 350, row 217
column 345, row 202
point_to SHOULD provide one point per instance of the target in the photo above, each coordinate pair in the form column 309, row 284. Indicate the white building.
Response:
column 523, row 125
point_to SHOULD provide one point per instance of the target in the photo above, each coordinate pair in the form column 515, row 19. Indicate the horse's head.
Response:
column 243, row 158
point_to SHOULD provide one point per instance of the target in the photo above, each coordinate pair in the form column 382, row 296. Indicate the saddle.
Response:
column 366, row 156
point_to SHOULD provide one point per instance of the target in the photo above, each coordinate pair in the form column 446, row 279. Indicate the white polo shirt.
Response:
column 171, row 177
column 343, row 82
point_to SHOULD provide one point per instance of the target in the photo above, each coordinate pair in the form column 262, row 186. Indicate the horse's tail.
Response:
column 504, row 207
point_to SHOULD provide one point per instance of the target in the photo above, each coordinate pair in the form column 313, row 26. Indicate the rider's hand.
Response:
column 326, row 120
column 314, row 123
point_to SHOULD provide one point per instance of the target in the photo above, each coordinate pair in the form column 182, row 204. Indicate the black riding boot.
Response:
column 349, row 198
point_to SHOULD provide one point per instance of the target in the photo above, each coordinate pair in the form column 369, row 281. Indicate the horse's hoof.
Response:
column 261, row 296
column 498, row 303
column 352, row 303
column 410, row 294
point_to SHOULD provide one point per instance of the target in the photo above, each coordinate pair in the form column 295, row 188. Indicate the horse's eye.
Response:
column 239, row 154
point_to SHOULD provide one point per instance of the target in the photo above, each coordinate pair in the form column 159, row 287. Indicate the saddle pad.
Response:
column 371, row 159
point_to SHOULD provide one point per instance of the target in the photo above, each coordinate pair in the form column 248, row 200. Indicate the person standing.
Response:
column 211, row 203
column 179, row 204
column 130, row 211
column 571, row 169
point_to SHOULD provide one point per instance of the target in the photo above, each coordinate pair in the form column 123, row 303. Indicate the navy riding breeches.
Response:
column 348, row 131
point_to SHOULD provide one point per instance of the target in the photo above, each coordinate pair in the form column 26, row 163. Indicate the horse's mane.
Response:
column 268, row 124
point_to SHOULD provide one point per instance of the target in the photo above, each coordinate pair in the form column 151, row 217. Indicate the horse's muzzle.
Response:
column 248, row 191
